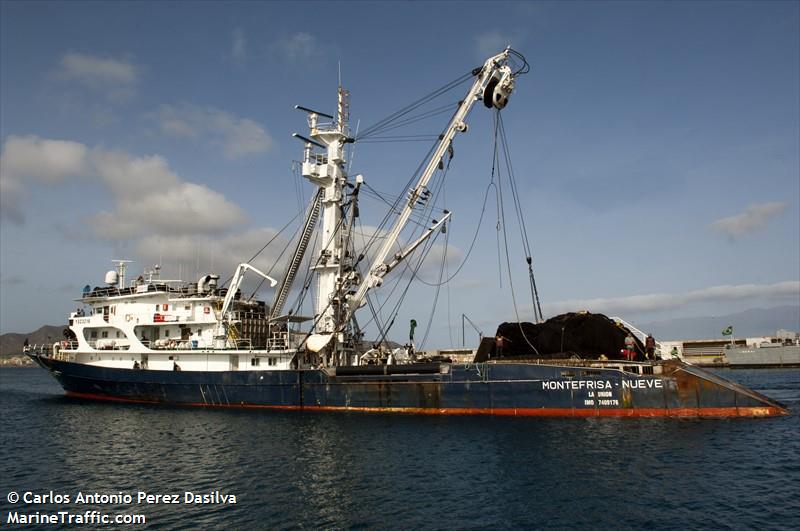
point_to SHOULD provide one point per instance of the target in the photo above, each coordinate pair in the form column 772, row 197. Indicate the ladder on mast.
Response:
column 297, row 257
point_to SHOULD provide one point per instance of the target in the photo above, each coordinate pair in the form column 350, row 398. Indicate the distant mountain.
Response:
column 11, row 343
column 749, row 323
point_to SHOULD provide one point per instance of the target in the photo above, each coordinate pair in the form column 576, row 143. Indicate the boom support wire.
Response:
column 500, row 141
column 521, row 220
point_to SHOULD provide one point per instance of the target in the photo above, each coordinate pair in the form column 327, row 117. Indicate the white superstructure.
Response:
column 160, row 324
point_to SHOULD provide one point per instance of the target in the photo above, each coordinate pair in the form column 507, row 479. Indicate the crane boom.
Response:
column 494, row 83
column 236, row 281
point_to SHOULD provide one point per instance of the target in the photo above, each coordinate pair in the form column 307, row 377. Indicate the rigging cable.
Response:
column 414, row 119
column 265, row 245
column 276, row 262
column 385, row 122
column 505, row 241
column 521, row 221
column 498, row 225
column 396, row 308
column 438, row 288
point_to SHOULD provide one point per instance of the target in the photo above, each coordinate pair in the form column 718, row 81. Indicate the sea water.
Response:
column 253, row 469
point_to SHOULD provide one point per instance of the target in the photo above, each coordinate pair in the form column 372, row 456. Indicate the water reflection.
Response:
column 291, row 469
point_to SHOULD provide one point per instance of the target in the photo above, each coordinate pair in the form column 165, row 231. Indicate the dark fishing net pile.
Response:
column 586, row 335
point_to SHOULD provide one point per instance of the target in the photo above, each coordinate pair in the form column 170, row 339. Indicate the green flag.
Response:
column 411, row 332
column 728, row 331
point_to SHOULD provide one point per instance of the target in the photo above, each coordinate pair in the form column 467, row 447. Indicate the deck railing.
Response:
column 186, row 290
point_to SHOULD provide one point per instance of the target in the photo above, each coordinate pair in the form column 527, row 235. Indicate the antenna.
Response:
column 121, row 266
column 353, row 149
column 308, row 140
column 306, row 109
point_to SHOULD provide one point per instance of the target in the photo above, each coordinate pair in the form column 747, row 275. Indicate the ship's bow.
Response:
column 712, row 395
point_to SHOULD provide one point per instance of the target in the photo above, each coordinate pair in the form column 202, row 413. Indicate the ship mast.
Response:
column 327, row 172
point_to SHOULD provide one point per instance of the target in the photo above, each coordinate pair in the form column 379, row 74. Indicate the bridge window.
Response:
column 255, row 362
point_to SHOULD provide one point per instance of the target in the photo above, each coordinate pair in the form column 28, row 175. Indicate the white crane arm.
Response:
column 493, row 83
column 236, row 282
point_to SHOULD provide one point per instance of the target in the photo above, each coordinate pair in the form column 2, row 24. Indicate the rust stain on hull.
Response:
column 507, row 412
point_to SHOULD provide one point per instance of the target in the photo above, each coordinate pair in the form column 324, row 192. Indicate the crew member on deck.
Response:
column 630, row 345
column 500, row 344
column 650, row 347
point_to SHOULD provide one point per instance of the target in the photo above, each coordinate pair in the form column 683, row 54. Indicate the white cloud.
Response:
column 184, row 255
column 245, row 137
column 152, row 198
column 183, row 209
column 30, row 158
column 174, row 126
column 238, row 137
column 668, row 301
column 751, row 220
column 491, row 43
column 130, row 176
column 298, row 47
column 147, row 195
column 117, row 79
column 239, row 46
column 11, row 196
column 47, row 160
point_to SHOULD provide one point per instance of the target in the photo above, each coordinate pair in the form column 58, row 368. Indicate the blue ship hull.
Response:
column 511, row 388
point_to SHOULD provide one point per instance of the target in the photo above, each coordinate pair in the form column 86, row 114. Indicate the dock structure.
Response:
column 753, row 352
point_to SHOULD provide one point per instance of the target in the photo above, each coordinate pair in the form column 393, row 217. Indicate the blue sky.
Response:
column 655, row 146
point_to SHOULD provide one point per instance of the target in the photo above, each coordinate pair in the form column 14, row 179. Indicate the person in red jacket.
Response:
column 630, row 348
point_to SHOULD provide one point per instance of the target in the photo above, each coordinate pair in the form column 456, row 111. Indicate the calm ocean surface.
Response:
column 374, row 471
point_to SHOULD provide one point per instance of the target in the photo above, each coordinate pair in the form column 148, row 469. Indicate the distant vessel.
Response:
column 779, row 353
column 199, row 343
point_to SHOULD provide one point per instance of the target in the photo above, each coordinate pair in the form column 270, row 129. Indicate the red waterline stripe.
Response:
column 766, row 411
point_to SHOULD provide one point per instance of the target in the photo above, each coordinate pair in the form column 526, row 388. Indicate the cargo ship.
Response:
column 157, row 341
column 778, row 353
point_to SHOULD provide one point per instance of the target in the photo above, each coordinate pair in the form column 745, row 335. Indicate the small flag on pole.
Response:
column 728, row 331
